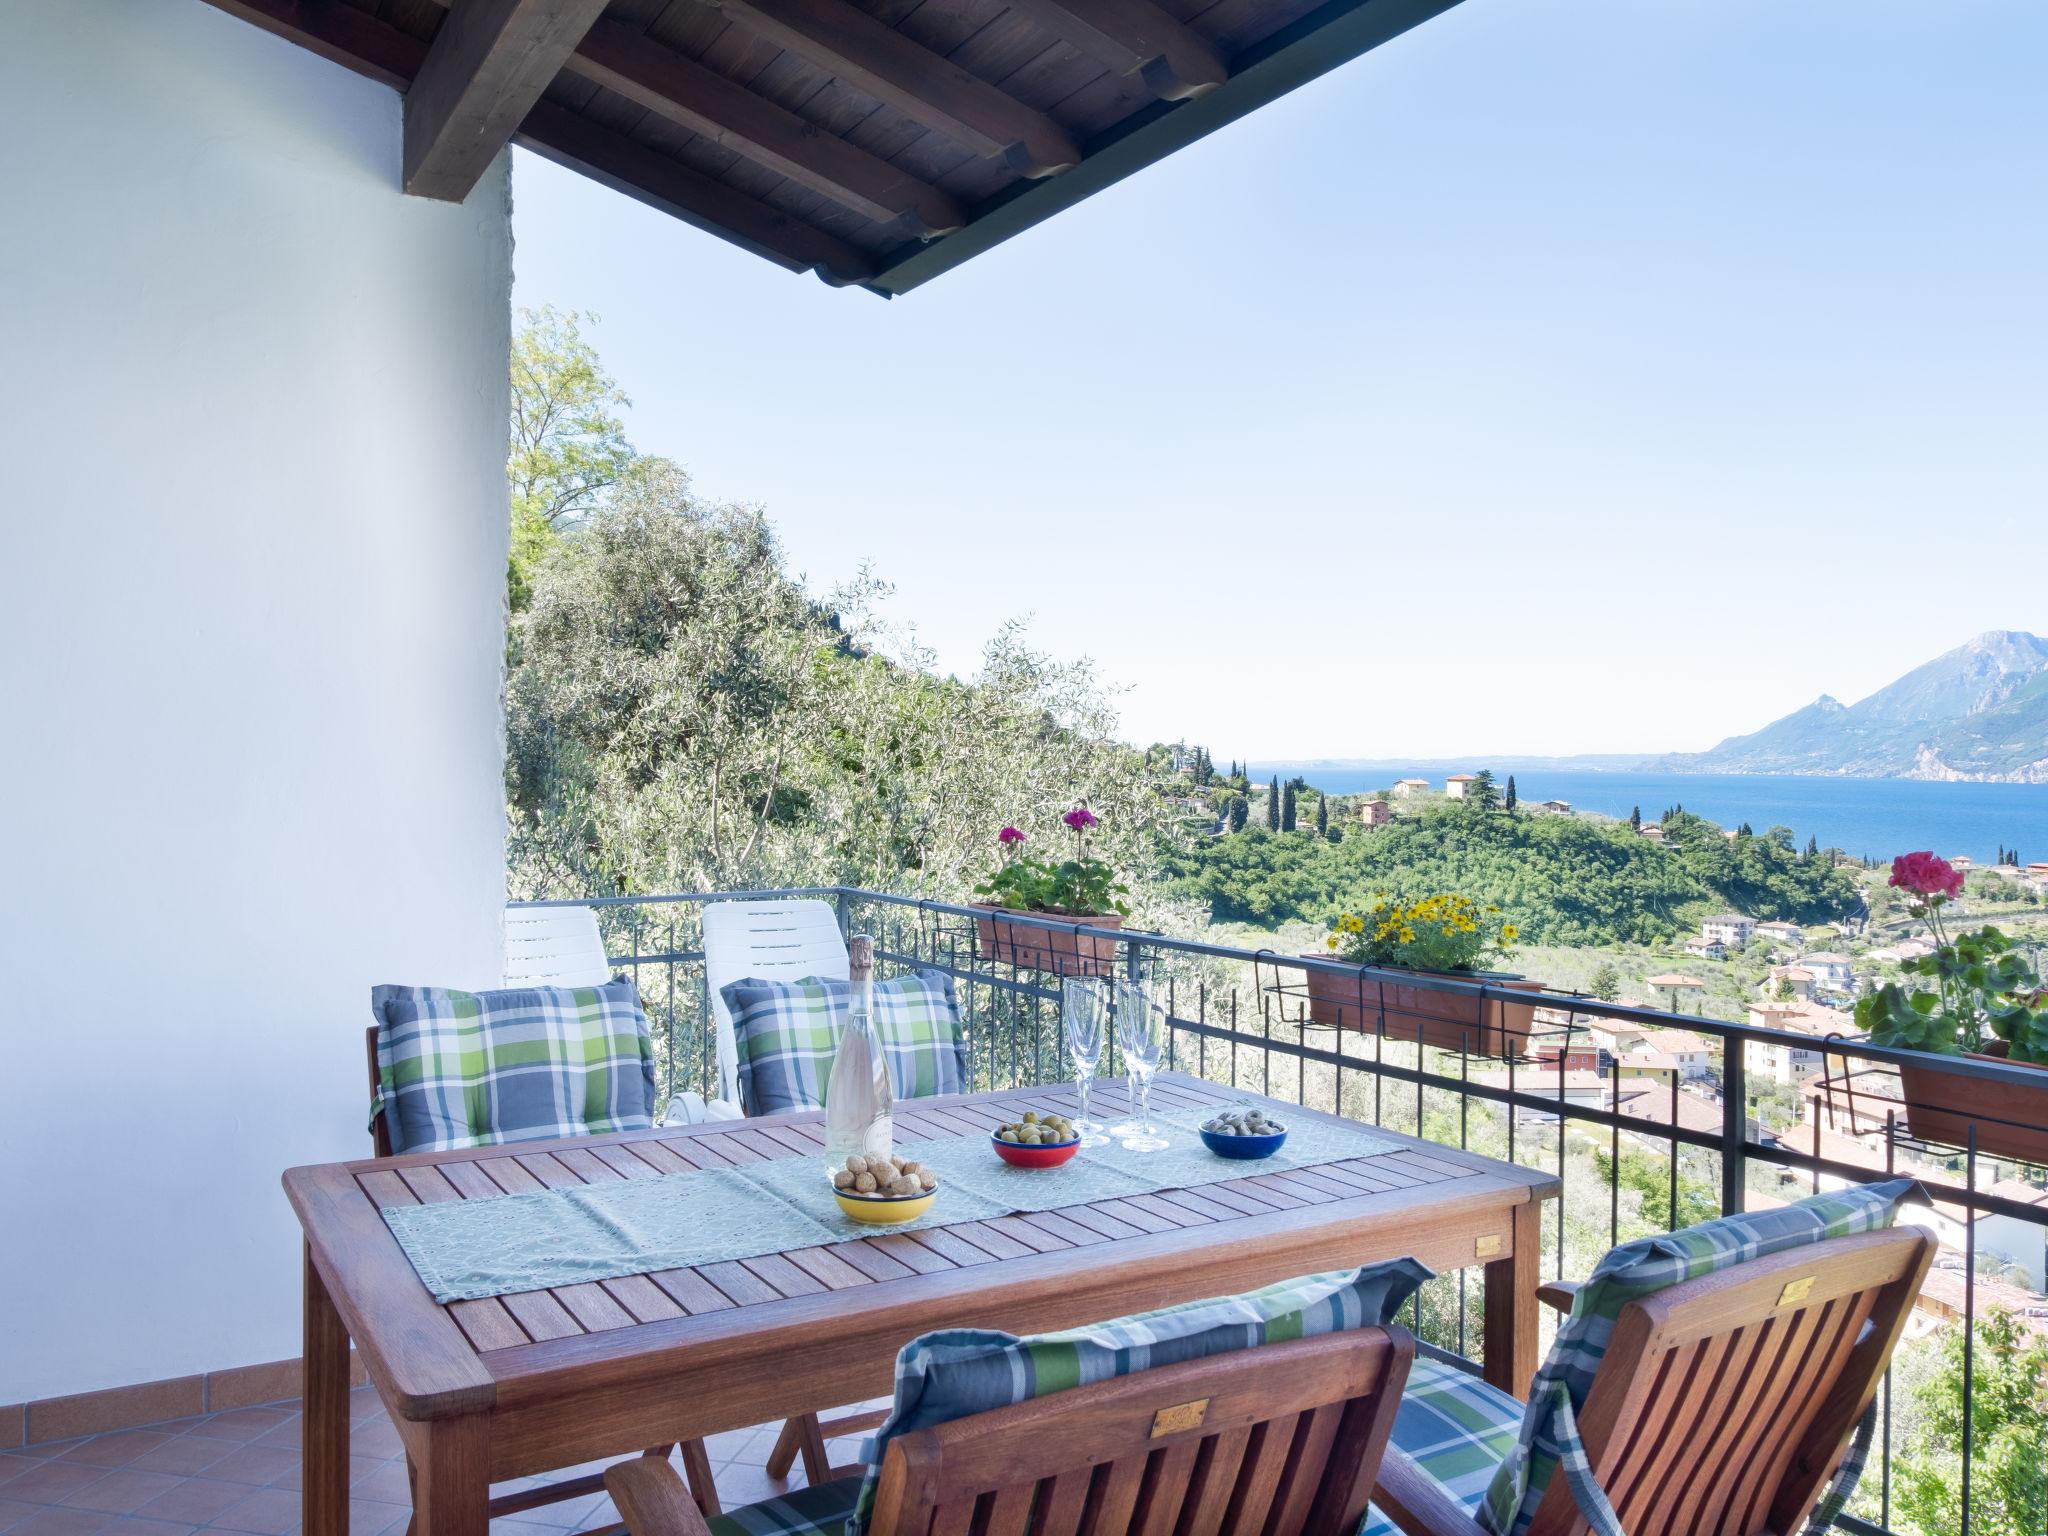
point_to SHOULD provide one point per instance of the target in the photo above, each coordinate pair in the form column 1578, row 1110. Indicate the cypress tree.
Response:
column 1287, row 808
column 1238, row 813
column 1273, row 805
column 1635, row 819
column 1511, row 791
column 1322, row 816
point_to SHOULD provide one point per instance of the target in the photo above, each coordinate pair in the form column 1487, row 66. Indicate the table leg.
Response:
column 323, row 1503
column 452, row 1483
column 1511, row 1320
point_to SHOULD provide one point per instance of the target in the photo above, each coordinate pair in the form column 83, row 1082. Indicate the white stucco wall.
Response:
column 252, row 406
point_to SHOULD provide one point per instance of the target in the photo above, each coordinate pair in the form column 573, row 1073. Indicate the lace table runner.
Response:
column 465, row 1250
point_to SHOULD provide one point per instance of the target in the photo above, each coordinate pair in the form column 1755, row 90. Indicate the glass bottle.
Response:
column 859, row 1110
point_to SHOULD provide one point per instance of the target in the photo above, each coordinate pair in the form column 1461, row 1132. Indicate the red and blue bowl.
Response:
column 1043, row 1155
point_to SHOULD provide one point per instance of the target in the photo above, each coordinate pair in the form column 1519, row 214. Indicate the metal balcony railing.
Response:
column 1531, row 1077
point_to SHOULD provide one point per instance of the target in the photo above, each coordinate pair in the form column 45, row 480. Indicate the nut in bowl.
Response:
column 884, row 1191
column 1244, row 1134
column 1036, row 1141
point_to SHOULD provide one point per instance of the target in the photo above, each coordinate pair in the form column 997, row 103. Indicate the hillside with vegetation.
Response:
column 1564, row 880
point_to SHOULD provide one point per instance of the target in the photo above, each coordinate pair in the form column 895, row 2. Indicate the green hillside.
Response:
column 1563, row 880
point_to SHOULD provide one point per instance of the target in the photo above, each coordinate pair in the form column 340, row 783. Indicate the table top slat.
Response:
column 1120, row 1253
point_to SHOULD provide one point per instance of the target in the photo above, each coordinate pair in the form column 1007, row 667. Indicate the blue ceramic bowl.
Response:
column 1243, row 1148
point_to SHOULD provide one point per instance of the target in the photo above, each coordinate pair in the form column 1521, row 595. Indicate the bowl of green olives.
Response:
column 1036, row 1141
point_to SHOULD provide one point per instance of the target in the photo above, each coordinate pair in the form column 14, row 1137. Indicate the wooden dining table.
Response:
column 517, row 1385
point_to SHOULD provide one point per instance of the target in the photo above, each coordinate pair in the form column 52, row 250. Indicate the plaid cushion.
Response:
column 1635, row 1270
column 1455, row 1428
column 960, row 1371
column 786, row 1032
column 473, row 1069
column 820, row 1511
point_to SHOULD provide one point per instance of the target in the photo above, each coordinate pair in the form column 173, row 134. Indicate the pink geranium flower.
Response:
column 1080, row 818
column 1009, row 837
column 1926, row 876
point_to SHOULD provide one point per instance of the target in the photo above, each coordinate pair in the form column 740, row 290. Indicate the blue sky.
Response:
column 1566, row 375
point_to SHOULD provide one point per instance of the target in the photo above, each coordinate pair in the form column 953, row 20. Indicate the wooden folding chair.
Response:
column 1279, row 1438
column 1723, row 1406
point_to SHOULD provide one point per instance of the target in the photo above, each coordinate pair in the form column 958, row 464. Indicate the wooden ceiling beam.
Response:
column 484, row 72
column 678, row 88
column 924, row 86
column 649, row 176
column 1134, row 37
column 339, row 33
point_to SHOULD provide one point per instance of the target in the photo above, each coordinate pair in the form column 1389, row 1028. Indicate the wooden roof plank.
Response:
column 1134, row 37
column 685, row 92
column 486, row 68
column 875, row 58
column 653, row 178
column 1332, row 34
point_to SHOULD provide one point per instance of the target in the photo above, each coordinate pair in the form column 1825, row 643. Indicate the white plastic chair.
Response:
column 776, row 941
column 554, row 947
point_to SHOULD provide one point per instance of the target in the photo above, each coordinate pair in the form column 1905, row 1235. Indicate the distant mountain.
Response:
column 1978, row 712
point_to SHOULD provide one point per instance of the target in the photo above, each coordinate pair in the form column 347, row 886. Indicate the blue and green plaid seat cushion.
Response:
column 474, row 1069
column 960, row 1371
column 1635, row 1270
column 786, row 1032
column 820, row 1511
column 1455, row 1428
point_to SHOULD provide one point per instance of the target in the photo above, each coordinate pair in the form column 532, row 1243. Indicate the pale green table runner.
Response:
column 465, row 1250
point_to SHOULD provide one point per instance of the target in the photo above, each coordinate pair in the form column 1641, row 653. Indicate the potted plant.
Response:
column 1448, row 937
column 1082, row 889
column 1986, row 1002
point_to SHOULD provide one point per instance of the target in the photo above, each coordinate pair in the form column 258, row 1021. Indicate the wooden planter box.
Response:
column 1063, row 953
column 1450, row 1021
column 2011, row 1119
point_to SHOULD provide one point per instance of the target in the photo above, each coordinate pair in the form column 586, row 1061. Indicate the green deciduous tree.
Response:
column 2007, row 1408
column 568, row 445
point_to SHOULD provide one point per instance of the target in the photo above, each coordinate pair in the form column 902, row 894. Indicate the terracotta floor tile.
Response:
column 131, row 1525
column 116, row 1449
column 388, row 1484
column 288, row 1433
column 122, row 1491
column 376, row 1438
column 51, row 1482
column 10, row 1511
column 195, row 1501
column 266, row 1512
column 371, row 1517
column 184, row 1455
column 60, row 1522
column 241, row 1423
column 259, row 1465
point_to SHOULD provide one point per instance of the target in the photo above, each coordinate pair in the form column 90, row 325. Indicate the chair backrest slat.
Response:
column 1284, row 1437
column 1722, row 1405
column 554, row 947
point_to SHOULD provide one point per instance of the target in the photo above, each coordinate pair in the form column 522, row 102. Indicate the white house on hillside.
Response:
column 1456, row 785
column 1731, row 928
column 1781, row 933
column 1404, row 788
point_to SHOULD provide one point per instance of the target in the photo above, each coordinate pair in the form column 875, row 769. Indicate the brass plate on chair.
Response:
column 1180, row 1417
column 1487, row 1247
column 1795, row 1291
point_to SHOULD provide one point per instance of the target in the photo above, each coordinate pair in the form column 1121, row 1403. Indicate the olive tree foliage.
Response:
column 568, row 447
column 683, row 715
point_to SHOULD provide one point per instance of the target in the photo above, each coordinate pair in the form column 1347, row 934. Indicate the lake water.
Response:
column 1873, row 818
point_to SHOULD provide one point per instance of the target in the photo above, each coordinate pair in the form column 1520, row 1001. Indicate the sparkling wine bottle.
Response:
column 859, row 1112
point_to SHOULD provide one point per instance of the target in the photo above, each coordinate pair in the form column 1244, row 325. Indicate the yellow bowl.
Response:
column 885, row 1210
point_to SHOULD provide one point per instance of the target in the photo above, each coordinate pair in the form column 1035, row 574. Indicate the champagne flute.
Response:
column 1141, row 1032
column 1084, row 1010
